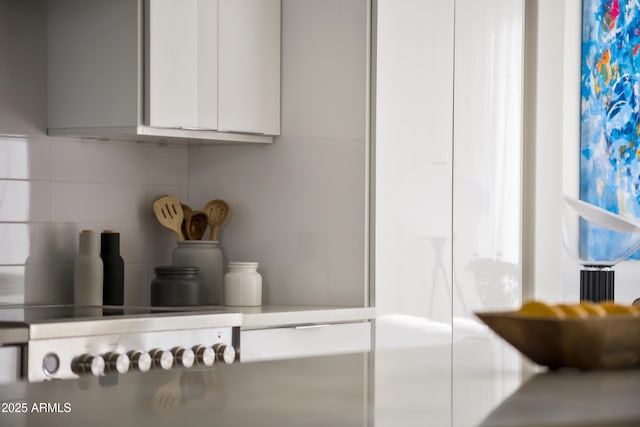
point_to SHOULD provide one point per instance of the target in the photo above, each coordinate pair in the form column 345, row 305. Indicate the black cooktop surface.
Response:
column 53, row 313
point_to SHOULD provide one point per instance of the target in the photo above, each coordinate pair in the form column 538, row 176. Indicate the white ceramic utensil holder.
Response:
column 243, row 284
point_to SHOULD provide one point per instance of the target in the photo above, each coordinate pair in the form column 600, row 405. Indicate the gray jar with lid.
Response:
column 175, row 286
column 207, row 256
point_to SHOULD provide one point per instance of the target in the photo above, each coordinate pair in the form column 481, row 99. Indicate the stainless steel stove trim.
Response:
column 110, row 326
column 67, row 350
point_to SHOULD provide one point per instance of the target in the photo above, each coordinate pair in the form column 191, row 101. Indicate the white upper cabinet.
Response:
column 192, row 69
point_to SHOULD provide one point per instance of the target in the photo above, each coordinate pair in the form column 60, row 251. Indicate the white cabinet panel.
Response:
column 173, row 63
column 182, row 64
column 305, row 341
column 207, row 64
column 249, row 66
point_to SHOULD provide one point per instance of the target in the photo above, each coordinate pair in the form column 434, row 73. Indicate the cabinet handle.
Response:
column 322, row 325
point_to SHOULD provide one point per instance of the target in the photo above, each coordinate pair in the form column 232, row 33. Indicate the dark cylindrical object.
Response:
column 596, row 284
column 175, row 285
column 113, row 287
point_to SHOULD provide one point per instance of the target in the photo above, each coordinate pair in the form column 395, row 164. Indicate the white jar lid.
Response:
column 243, row 264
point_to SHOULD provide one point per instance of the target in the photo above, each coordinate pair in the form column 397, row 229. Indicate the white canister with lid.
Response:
column 243, row 284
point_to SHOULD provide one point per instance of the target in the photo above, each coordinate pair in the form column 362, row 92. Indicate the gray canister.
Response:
column 207, row 256
column 175, row 286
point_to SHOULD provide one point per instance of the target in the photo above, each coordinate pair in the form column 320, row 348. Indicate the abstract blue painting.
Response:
column 610, row 116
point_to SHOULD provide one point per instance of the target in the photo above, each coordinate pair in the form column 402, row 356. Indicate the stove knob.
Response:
column 205, row 356
column 88, row 364
column 162, row 359
column 117, row 363
column 184, row 357
column 224, row 353
column 140, row 360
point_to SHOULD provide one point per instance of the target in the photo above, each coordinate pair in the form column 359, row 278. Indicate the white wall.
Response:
column 298, row 206
column 51, row 188
column 543, row 125
column 413, row 168
column 553, row 118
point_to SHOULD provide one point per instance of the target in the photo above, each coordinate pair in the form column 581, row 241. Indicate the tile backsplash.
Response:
column 52, row 188
column 298, row 206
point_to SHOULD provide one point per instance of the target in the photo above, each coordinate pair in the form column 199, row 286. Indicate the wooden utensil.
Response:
column 186, row 210
column 169, row 213
column 168, row 397
column 194, row 224
column 217, row 211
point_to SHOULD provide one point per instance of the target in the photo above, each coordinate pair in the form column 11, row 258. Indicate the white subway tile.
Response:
column 133, row 241
column 305, row 229
column 60, row 287
column 97, row 203
column 25, row 158
column 12, row 284
column 25, row 201
column 118, row 162
column 136, row 285
column 25, row 243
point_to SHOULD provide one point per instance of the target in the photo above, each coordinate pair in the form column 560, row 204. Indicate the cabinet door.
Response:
column 304, row 341
column 249, row 66
column 181, row 63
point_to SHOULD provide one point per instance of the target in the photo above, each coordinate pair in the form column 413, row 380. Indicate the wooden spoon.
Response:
column 217, row 211
column 186, row 210
column 168, row 397
column 169, row 213
column 195, row 223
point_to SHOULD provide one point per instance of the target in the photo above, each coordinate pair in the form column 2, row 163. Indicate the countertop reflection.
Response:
column 342, row 390
column 572, row 398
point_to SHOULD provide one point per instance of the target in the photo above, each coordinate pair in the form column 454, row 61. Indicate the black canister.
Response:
column 175, row 285
column 113, row 264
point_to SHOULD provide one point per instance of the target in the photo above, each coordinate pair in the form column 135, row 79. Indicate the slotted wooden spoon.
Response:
column 168, row 397
column 217, row 211
column 169, row 213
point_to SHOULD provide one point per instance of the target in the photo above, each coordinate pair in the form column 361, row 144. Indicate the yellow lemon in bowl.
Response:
column 614, row 308
column 574, row 311
column 542, row 309
column 593, row 310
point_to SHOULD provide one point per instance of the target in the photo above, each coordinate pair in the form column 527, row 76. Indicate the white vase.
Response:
column 207, row 256
column 88, row 270
column 243, row 284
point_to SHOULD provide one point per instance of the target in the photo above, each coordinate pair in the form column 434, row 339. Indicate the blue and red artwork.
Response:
column 610, row 116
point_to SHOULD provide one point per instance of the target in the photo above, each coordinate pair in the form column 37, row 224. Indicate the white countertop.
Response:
column 465, row 383
column 436, row 374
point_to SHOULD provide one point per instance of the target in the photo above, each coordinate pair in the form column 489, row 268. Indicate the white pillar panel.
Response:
column 413, row 191
column 488, row 154
column 413, row 157
column 487, row 197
